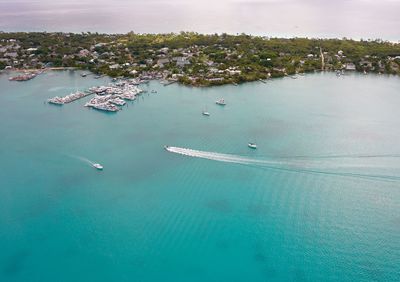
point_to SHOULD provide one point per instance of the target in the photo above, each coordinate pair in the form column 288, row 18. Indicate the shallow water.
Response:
column 307, row 205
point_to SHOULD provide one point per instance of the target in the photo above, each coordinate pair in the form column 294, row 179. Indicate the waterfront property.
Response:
column 195, row 59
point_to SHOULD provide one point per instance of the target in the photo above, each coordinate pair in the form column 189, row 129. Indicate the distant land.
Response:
column 195, row 59
column 357, row 19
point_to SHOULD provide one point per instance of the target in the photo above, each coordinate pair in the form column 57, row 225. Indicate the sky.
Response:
column 357, row 19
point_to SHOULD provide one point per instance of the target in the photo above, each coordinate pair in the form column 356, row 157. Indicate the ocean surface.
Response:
column 357, row 19
column 319, row 200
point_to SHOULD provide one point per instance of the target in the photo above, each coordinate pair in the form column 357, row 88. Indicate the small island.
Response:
column 193, row 59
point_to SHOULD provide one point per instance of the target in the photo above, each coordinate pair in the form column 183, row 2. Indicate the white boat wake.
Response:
column 302, row 164
column 85, row 160
column 218, row 156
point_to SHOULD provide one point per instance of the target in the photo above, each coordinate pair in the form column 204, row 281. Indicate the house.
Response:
column 162, row 62
column 366, row 64
column 164, row 50
column 11, row 54
column 350, row 67
column 233, row 71
column 216, row 79
column 181, row 61
column 114, row 67
column 84, row 53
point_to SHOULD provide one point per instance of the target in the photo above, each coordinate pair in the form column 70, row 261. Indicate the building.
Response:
column 350, row 67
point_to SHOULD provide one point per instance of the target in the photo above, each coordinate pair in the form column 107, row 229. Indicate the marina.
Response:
column 107, row 98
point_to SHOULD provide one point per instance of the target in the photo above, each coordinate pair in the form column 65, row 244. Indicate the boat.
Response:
column 56, row 101
column 117, row 101
column 205, row 112
column 166, row 147
column 220, row 102
column 252, row 145
column 98, row 166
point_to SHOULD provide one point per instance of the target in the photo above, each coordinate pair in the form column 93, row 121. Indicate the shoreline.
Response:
column 195, row 85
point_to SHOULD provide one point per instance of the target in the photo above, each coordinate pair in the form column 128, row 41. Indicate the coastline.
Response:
column 193, row 59
column 166, row 83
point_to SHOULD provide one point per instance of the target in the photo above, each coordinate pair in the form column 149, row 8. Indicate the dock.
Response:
column 69, row 98
column 23, row 77
column 168, row 82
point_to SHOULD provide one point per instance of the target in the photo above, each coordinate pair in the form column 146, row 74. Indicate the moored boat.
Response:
column 252, row 145
column 220, row 102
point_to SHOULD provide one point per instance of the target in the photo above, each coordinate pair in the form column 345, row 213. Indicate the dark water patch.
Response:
column 221, row 206
column 258, row 210
column 299, row 275
column 194, row 271
column 15, row 263
column 222, row 245
column 269, row 272
column 260, row 257
column 138, row 261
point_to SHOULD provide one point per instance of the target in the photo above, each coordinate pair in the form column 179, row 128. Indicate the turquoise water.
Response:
column 319, row 200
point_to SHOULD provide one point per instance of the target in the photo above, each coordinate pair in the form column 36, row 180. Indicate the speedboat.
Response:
column 98, row 166
column 220, row 102
column 205, row 113
column 252, row 145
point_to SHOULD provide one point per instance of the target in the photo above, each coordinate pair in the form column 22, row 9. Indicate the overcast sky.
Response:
column 312, row 18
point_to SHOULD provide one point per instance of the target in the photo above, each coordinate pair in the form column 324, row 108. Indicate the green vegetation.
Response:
column 195, row 59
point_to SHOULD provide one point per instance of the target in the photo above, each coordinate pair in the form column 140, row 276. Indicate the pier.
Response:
column 69, row 98
column 23, row 77
column 168, row 82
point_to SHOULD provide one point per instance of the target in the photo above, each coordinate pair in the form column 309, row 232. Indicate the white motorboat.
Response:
column 205, row 113
column 220, row 102
column 252, row 145
column 98, row 166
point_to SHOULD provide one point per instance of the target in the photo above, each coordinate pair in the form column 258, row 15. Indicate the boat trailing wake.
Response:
column 301, row 164
column 218, row 156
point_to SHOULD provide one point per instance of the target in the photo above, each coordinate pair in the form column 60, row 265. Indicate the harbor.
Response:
column 108, row 98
